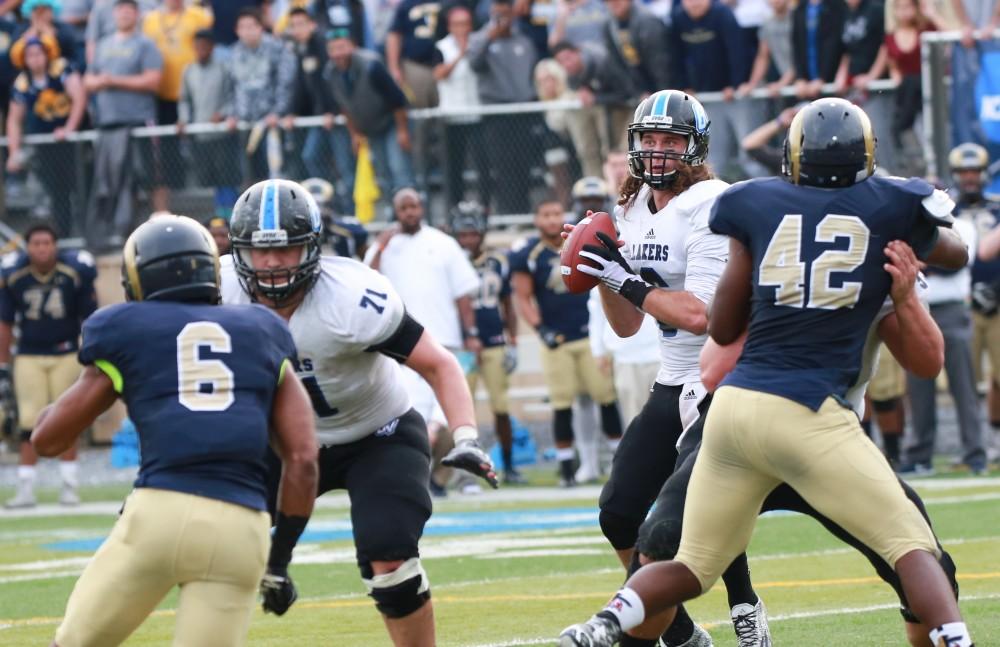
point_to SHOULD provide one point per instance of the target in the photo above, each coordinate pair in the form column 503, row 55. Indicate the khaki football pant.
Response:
column 986, row 338
column 214, row 551
column 494, row 375
column 889, row 380
column 570, row 370
column 752, row 442
column 39, row 380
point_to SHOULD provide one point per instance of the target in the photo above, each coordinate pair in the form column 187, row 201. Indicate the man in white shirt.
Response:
column 948, row 295
column 435, row 279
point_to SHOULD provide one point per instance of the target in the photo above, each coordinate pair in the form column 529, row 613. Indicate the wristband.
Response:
column 287, row 530
column 463, row 433
column 635, row 291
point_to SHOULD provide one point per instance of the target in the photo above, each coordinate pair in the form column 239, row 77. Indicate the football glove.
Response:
column 509, row 359
column 614, row 271
column 7, row 400
column 468, row 456
column 277, row 590
column 551, row 338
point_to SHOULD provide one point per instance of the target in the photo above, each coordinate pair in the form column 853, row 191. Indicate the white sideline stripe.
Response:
column 548, row 640
column 586, row 494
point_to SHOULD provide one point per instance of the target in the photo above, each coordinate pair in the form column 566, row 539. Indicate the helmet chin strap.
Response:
column 666, row 182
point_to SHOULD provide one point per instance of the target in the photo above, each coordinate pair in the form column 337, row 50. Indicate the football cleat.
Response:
column 69, row 497
column 599, row 631
column 750, row 625
column 24, row 498
column 699, row 638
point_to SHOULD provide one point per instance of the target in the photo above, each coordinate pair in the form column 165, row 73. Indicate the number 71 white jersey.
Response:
column 674, row 249
column 355, row 391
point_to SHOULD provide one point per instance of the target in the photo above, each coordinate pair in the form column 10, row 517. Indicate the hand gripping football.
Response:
column 585, row 233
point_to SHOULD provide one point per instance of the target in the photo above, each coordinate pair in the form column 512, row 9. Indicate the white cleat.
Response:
column 23, row 499
column 750, row 625
column 599, row 631
column 69, row 497
column 699, row 638
column 587, row 473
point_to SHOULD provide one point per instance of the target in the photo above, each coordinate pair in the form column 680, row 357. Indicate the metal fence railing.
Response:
column 506, row 156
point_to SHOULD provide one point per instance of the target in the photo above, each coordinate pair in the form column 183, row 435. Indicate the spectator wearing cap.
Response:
column 123, row 78
column 172, row 27
column 207, row 97
column 311, row 94
column 606, row 99
column 42, row 24
column 503, row 60
column 263, row 72
column 817, row 45
column 636, row 43
column 375, row 108
column 708, row 54
column 458, row 88
column 47, row 98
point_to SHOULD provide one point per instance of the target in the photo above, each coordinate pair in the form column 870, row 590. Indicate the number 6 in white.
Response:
column 204, row 384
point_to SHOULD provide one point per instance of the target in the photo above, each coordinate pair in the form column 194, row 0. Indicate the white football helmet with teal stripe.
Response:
column 276, row 214
column 670, row 111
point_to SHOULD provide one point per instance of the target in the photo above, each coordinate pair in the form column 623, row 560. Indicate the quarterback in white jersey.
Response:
column 666, row 263
column 351, row 332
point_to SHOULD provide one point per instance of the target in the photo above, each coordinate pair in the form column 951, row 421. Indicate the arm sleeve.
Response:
column 98, row 339
column 387, row 86
column 518, row 259
column 707, row 254
column 400, row 343
column 151, row 59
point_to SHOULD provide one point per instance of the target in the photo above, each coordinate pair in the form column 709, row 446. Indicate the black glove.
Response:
column 277, row 590
column 7, row 400
column 615, row 272
column 468, row 456
column 550, row 337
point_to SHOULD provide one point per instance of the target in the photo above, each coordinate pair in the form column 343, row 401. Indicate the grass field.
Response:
column 516, row 567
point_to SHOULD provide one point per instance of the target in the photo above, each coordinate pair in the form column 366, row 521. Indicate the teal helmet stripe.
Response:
column 660, row 105
column 269, row 216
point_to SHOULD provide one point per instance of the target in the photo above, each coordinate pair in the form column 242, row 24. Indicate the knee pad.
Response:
column 401, row 592
column 620, row 531
column 563, row 426
column 659, row 539
column 25, row 435
column 884, row 406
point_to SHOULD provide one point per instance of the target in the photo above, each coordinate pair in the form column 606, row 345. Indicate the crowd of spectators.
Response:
column 114, row 65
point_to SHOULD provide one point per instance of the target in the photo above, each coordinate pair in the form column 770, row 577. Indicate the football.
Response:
column 585, row 233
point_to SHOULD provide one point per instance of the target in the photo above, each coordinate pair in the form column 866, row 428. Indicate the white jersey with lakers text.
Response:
column 674, row 249
column 355, row 391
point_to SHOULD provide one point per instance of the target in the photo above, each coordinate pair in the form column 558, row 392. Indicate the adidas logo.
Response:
column 690, row 395
column 650, row 235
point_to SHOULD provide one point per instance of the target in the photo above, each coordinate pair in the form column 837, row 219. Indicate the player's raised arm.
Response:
column 61, row 423
column 729, row 311
column 294, row 440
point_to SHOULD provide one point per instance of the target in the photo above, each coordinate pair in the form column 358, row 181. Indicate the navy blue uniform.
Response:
column 49, row 309
column 818, row 278
column 347, row 236
column 416, row 22
column 199, row 382
column 560, row 309
column 985, row 215
column 494, row 286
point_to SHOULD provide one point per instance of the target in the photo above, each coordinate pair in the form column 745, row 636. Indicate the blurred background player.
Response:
column 345, row 234
column 886, row 392
column 219, row 228
column 496, row 324
column 47, row 293
column 561, row 321
column 969, row 164
column 197, row 517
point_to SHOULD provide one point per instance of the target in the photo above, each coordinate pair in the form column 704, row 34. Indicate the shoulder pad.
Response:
column 520, row 244
column 83, row 257
column 701, row 192
column 12, row 260
column 938, row 206
column 913, row 185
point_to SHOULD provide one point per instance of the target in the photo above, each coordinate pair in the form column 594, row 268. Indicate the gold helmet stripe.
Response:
column 869, row 135
column 795, row 146
column 131, row 270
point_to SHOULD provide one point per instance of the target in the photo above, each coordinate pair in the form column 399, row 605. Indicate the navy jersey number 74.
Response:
column 818, row 278
column 199, row 382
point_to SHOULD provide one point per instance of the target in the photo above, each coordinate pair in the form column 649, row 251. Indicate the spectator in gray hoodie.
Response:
column 207, row 96
column 636, row 42
column 263, row 72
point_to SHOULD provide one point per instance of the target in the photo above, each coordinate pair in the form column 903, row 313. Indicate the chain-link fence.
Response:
column 98, row 184
column 960, row 96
